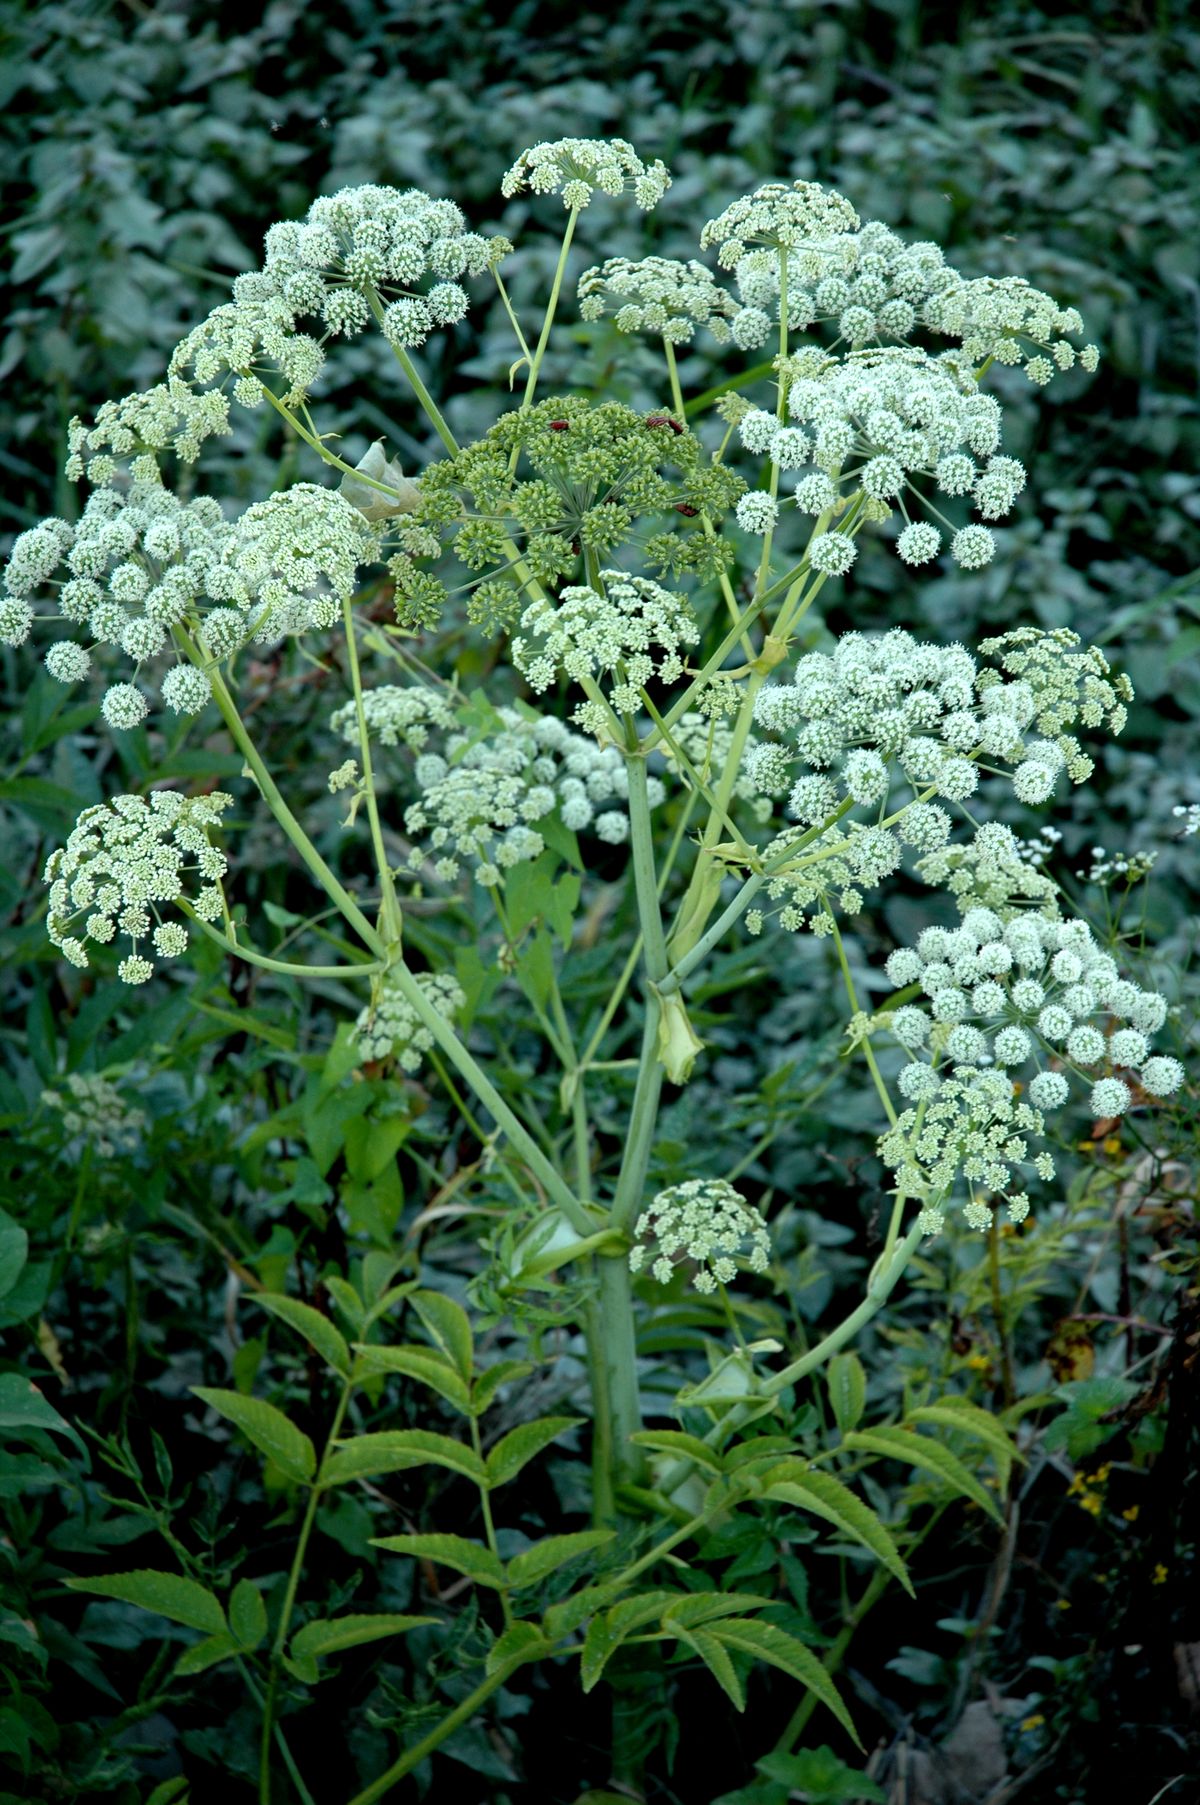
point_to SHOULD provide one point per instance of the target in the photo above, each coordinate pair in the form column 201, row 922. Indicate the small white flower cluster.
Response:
column 658, row 295
column 484, row 795
column 872, row 423
column 706, row 1220
column 288, row 565
column 706, row 742
column 134, row 565
column 576, row 167
column 1004, row 995
column 933, row 713
column 1106, row 867
column 782, row 217
column 396, row 716
column 389, row 1027
column 1189, row 814
column 632, row 632
column 993, row 870
column 94, row 1111
column 873, row 287
column 125, row 858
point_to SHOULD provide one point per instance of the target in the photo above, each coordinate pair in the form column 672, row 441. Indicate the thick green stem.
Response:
column 618, row 1356
column 390, row 910
column 461, row 1714
column 462, row 1060
column 282, row 967
column 551, row 308
column 333, row 888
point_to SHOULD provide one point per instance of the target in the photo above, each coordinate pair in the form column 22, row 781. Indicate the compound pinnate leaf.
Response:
column 270, row 1431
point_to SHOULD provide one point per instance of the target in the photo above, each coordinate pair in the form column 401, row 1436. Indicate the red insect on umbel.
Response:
column 663, row 420
column 685, row 508
column 560, row 426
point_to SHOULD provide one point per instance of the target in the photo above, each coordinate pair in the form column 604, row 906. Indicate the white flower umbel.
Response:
column 658, row 296
column 396, row 716
column 576, row 167
column 123, row 862
column 629, row 634
column 292, row 560
column 1009, row 1007
column 483, row 797
column 780, row 217
column 96, row 1115
column 389, row 1027
column 706, row 1220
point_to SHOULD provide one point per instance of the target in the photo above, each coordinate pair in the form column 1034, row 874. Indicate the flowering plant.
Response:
column 670, row 724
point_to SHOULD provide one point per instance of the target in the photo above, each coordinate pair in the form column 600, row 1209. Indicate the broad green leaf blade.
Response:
column 421, row 1364
column 598, row 1645
column 447, row 1324
column 269, row 1430
column 553, row 1552
column 14, row 1252
column 205, row 1654
column 395, row 1450
column 767, row 1642
column 471, row 1558
column 247, row 1614
column 504, row 1372
column 521, row 1642
column 348, row 1301
column 691, row 1609
column 715, row 1656
column 847, row 1384
column 169, row 1594
column 687, row 1447
column 316, row 1329
column 928, row 1456
column 514, row 1450
column 824, row 1496
column 969, row 1419
column 329, row 1635
column 22, row 1406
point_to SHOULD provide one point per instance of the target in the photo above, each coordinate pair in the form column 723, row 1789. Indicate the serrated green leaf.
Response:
column 329, row 1635
column 14, row 1252
column 715, row 1656
column 824, row 1496
column 316, row 1329
column 448, row 1325
column 247, row 1614
column 563, row 1618
column 168, row 1594
column 22, row 1406
column 202, row 1655
column 514, row 1450
column 928, row 1456
column 847, row 1383
column 520, row 1642
column 419, row 1363
column 552, row 1552
column 395, row 1451
column 504, row 1372
column 688, row 1447
column 347, row 1300
column 598, row 1645
column 767, row 1642
column 471, row 1558
column 691, row 1609
column 170, row 1792
column 969, row 1419
column 270, row 1431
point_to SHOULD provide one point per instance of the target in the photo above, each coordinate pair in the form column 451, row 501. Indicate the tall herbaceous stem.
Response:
column 560, row 270
column 764, row 566
column 289, row 1597
column 390, row 911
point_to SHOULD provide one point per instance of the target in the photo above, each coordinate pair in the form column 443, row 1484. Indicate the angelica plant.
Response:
column 664, row 722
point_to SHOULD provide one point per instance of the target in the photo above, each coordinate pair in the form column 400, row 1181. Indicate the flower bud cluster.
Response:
column 1000, row 997
column 122, row 862
column 629, row 634
column 576, row 167
column 390, row 1028
column 289, row 564
column 93, row 1111
column 657, row 295
column 706, row 1220
column 779, row 216
column 598, row 471
column 396, row 716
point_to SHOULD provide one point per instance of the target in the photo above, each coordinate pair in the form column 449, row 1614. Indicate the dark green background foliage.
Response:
column 146, row 150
